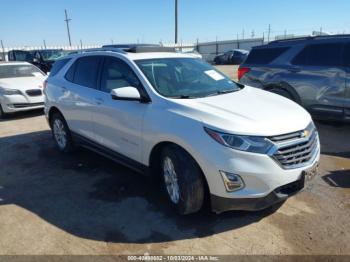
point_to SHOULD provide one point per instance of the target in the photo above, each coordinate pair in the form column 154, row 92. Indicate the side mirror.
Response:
column 126, row 93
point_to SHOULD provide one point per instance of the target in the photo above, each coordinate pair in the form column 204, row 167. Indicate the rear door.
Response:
column 78, row 95
column 318, row 75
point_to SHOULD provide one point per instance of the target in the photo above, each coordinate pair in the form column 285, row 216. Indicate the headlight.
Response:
column 254, row 144
column 9, row 92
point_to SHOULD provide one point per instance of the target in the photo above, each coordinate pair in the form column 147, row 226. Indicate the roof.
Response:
column 142, row 53
column 307, row 38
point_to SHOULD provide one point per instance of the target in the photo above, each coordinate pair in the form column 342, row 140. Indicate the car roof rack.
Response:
column 309, row 38
column 130, row 49
column 149, row 49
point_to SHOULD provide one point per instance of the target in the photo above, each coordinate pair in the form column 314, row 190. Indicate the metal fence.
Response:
column 210, row 49
column 207, row 49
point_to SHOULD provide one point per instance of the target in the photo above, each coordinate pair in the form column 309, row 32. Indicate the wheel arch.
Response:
column 285, row 86
column 52, row 111
column 154, row 159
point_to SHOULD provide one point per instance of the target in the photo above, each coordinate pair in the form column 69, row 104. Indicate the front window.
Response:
column 52, row 55
column 185, row 77
column 11, row 71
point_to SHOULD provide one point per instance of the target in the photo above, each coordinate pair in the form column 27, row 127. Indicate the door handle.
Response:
column 294, row 69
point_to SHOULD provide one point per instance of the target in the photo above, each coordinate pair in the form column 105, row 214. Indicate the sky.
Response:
column 30, row 22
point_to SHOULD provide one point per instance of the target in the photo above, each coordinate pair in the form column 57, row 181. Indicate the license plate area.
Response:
column 311, row 172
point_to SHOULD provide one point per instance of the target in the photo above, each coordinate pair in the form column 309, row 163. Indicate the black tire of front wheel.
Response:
column 69, row 147
column 190, row 180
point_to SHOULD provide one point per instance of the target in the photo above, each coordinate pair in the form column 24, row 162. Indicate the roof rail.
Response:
column 150, row 49
column 110, row 49
column 310, row 38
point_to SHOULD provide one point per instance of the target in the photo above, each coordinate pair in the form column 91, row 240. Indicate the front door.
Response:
column 118, row 123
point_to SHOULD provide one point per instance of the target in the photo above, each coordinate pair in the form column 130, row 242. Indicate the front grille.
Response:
column 34, row 92
column 24, row 105
column 296, row 149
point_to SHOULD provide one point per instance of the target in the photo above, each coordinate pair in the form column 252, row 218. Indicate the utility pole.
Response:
column 3, row 50
column 67, row 20
column 285, row 34
column 243, row 34
column 45, row 44
column 81, row 44
column 268, row 34
column 176, row 21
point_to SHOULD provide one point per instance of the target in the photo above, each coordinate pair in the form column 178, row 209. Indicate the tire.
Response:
column 282, row 92
column 2, row 114
column 61, row 133
column 188, row 180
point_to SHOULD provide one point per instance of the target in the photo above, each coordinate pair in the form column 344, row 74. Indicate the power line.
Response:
column 67, row 20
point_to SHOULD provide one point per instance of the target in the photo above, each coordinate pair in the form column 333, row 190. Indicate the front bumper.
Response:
column 18, row 103
column 221, row 204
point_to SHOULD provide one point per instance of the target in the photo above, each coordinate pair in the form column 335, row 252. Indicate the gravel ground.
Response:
column 82, row 203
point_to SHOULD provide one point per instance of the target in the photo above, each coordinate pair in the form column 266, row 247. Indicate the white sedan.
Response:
column 21, row 87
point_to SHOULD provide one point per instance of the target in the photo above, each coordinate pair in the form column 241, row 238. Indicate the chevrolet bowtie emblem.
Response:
column 305, row 133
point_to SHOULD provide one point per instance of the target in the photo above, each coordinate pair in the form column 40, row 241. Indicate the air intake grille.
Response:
column 296, row 149
column 34, row 92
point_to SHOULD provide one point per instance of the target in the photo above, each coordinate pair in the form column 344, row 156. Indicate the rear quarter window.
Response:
column 265, row 55
column 320, row 55
column 58, row 65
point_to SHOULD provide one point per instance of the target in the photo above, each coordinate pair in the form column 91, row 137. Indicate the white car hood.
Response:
column 250, row 111
column 23, row 83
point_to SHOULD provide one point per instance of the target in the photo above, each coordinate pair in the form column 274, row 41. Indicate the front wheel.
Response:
column 2, row 113
column 183, row 180
column 61, row 133
column 283, row 93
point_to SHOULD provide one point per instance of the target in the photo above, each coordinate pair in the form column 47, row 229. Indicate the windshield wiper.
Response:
column 181, row 97
column 221, row 92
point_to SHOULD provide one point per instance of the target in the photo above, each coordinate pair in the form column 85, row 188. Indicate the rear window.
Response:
column 57, row 66
column 264, row 55
column 320, row 55
column 84, row 71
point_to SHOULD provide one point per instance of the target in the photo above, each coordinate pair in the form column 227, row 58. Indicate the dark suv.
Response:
column 312, row 71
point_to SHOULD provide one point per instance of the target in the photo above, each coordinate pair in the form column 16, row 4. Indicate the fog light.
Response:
column 232, row 182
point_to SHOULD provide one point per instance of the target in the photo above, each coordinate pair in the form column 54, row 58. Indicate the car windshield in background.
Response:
column 185, row 77
column 11, row 71
column 52, row 55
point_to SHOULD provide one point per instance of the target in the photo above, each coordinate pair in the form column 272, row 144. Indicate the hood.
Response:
column 250, row 111
column 23, row 83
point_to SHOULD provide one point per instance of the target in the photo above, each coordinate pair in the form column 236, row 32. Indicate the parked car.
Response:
column 21, row 86
column 312, row 71
column 236, row 57
column 177, row 116
column 20, row 55
column 45, row 58
column 42, row 59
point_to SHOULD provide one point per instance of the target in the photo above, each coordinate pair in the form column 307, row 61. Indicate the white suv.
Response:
column 172, row 114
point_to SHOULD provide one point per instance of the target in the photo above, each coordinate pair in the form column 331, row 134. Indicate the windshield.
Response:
column 185, row 77
column 52, row 55
column 11, row 71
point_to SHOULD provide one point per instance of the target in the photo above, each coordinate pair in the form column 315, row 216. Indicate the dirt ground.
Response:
column 51, row 203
